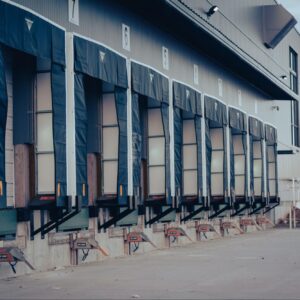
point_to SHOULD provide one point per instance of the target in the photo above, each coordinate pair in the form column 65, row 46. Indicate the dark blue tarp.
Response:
column 270, row 134
column 98, row 62
column 58, row 88
column 186, row 99
column 199, row 157
column 165, row 119
column 3, row 116
column 208, row 149
column 23, row 94
column 92, row 93
column 237, row 120
column 149, row 83
column 256, row 128
column 81, row 138
column 178, row 151
column 26, row 32
column 136, row 141
column 271, row 141
column 215, row 111
column 121, row 107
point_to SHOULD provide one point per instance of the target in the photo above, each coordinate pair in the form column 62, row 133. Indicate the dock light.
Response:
column 212, row 10
column 284, row 77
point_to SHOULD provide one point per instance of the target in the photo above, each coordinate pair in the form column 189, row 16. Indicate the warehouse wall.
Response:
column 102, row 21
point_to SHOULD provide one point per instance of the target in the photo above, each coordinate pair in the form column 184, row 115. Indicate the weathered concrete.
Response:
column 258, row 265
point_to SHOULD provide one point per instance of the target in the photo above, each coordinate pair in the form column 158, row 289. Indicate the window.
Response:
column 189, row 149
column 45, row 172
column 110, row 145
column 239, row 164
column 295, row 123
column 217, row 161
column 293, row 71
column 257, row 167
column 156, row 152
column 9, row 147
column 272, row 169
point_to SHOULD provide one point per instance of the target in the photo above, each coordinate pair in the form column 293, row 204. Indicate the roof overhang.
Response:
column 175, row 18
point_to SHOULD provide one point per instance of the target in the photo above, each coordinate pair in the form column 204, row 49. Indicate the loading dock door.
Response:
column 33, row 36
column 187, row 144
column 150, row 130
column 238, row 155
column 101, row 74
column 216, row 150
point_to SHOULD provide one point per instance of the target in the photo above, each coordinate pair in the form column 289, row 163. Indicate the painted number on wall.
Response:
column 165, row 58
column 126, row 37
column 196, row 74
column 74, row 11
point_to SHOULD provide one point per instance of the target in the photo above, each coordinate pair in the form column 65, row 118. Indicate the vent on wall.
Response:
column 277, row 22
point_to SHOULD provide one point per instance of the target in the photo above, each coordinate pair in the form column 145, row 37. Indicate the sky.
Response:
column 293, row 6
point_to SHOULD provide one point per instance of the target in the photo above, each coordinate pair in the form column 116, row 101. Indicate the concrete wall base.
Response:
column 54, row 250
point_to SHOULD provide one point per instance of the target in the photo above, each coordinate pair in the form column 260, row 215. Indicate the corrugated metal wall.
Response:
column 102, row 21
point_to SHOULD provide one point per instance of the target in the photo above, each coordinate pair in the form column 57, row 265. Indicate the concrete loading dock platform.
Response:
column 261, row 265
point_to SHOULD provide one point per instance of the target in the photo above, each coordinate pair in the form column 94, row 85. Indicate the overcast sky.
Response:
column 293, row 6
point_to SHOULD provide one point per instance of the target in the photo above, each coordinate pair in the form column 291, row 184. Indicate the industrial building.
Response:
column 125, row 122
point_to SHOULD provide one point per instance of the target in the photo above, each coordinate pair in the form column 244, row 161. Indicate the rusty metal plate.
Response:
column 204, row 228
column 5, row 256
column 174, row 232
column 134, row 237
column 246, row 222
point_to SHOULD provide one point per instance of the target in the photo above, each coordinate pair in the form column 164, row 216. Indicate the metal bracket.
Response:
column 160, row 216
column 219, row 212
column 257, row 209
column 12, row 256
column 192, row 214
column 205, row 228
column 225, row 225
column 239, row 210
column 115, row 219
column 45, row 228
column 87, row 244
column 176, row 232
column 136, row 238
column 267, row 209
